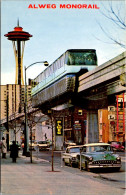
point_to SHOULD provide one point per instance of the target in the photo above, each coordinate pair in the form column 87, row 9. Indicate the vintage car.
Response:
column 32, row 145
column 117, row 146
column 70, row 155
column 98, row 155
column 69, row 143
column 42, row 145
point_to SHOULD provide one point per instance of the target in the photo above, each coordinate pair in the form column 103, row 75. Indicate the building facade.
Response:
column 12, row 104
column 112, row 121
column 13, row 97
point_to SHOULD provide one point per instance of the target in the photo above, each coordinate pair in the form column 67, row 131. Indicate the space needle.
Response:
column 18, row 38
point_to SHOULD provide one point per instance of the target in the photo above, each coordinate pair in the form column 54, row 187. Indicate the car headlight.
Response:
column 118, row 158
column 90, row 158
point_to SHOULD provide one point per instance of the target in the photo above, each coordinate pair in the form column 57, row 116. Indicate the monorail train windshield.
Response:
column 81, row 57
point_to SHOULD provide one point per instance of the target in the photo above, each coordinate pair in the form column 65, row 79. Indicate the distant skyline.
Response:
column 54, row 31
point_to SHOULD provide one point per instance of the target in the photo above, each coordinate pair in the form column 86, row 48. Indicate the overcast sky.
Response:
column 54, row 31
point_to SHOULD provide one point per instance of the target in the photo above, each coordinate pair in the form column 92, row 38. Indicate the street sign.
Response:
column 59, row 127
column 111, row 117
column 77, row 125
column 120, row 99
column 111, row 108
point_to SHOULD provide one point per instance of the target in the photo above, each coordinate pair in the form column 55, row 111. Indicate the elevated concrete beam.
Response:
column 104, row 73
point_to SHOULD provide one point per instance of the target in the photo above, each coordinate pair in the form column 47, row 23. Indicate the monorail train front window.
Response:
column 82, row 58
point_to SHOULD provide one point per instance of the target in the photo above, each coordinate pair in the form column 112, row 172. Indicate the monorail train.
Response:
column 60, row 76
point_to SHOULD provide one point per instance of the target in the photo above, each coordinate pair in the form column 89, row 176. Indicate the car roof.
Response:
column 97, row 144
column 77, row 146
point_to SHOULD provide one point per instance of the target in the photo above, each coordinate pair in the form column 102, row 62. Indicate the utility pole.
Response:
column 26, row 143
column 7, row 135
column 51, row 117
column 52, row 147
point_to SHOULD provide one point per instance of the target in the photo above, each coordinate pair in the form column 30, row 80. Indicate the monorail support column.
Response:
column 92, row 133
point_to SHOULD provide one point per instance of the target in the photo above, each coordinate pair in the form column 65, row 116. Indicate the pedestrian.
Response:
column 4, row 148
column 14, row 151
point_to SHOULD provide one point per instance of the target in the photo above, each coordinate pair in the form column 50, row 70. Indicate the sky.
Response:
column 54, row 31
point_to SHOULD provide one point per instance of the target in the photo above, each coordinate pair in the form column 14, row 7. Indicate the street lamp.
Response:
column 26, row 144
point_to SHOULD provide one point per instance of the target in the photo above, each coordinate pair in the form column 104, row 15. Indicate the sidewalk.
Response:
column 24, row 178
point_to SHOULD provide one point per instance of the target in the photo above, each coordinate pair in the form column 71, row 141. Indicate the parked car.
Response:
column 43, row 145
column 69, row 143
column 117, row 146
column 124, row 144
column 32, row 145
column 98, row 155
column 70, row 155
column 49, row 142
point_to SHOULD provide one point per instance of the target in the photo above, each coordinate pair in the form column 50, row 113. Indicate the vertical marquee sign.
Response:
column 59, row 127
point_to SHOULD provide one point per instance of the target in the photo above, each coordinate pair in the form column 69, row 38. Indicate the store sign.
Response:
column 77, row 125
column 111, row 117
column 120, row 99
column 59, row 127
column 111, row 108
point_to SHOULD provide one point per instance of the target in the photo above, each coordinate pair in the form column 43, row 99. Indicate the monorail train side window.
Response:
column 42, row 76
column 55, row 68
column 49, row 71
column 59, row 63
column 62, row 61
column 66, row 60
column 45, row 74
column 39, row 78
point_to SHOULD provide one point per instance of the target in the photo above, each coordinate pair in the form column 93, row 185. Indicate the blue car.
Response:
column 98, row 155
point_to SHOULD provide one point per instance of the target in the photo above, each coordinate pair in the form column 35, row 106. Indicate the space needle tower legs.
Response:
column 18, row 38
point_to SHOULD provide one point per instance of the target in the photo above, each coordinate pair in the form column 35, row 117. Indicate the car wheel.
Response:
column 117, row 169
column 64, row 162
column 70, row 163
column 78, row 165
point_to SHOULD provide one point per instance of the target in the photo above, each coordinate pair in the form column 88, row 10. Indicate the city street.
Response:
column 110, row 178
column 24, row 178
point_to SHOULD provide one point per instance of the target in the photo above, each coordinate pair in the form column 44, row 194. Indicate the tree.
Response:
column 34, row 116
column 115, row 12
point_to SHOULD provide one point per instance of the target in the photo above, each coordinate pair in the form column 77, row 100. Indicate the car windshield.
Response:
column 98, row 148
column 74, row 150
column 116, row 143
column 81, row 58
column 32, row 141
column 42, row 142
column 70, row 141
